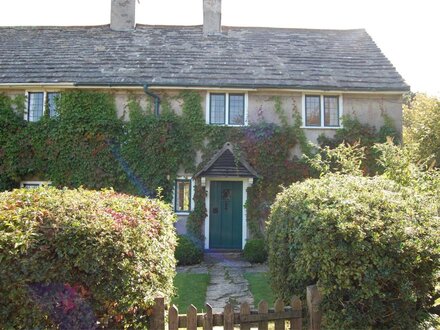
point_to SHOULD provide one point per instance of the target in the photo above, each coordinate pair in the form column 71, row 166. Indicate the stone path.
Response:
column 227, row 283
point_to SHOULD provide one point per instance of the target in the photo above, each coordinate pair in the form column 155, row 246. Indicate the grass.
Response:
column 260, row 287
column 190, row 289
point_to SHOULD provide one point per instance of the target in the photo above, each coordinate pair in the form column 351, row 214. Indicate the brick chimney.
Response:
column 212, row 17
column 123, row 15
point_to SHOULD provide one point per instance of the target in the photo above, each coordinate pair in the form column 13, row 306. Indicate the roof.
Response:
column 180, row 56
column 226, row 164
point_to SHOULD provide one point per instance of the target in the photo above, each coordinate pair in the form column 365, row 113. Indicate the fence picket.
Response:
column 192, row 318
column 173, row 318
column 207, row 318
column 245, row 310
column 296, row 323
column 228, row 318
column 245, row 318
column 263, row 308
column 279, row 308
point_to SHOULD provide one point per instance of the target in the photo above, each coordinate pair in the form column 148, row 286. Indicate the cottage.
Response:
column 321, row 74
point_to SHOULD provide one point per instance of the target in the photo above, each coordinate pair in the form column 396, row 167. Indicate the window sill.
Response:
column 182, row 212
column 321, row 127
column 228, row 125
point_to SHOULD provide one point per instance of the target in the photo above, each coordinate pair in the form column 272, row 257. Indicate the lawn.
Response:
column 260, row 287
column 190, row 289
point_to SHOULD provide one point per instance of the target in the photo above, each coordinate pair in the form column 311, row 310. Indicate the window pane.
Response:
column 217, row 108
column 183, row 195
column 313, row 111
column 331, row 111
column 236, row 109
column 35, row 106
column 51, row 97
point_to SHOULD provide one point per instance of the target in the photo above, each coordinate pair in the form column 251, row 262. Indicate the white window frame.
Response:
column 191, row 199
column 208, row 107
column 39, row 183
column 321, row 95
column 45, row 107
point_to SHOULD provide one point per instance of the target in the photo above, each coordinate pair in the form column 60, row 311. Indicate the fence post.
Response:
column 314, row 299
column 158, row 315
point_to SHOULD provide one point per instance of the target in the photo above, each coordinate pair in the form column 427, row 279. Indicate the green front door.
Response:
column 226, row 215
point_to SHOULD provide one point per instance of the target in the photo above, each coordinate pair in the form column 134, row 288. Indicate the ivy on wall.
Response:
column 88, row 145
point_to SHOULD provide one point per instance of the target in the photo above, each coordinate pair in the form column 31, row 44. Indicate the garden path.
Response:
column 227, row 283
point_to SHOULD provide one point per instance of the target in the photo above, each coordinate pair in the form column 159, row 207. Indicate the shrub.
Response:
column 71, row 258
column 255, row 251
column 188, row 251
column 371, row 245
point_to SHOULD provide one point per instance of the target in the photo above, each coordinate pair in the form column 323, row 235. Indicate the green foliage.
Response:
column 255, row 251
column 154, row 147
column 344, row 159
column 188, row 251
column 193, row 119
column 354, row 132
column 71, row 149
column 371, row 245
column 12, row 161
column 198, row 215
column 399, row 165
column 88, row 145
column 421, row 120
column 77, row 142
column 70, row 258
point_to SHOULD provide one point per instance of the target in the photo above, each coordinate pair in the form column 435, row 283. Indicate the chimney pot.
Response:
column 123, row 15
column 212, row 15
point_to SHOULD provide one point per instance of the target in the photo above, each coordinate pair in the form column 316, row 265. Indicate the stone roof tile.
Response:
column 181, row 56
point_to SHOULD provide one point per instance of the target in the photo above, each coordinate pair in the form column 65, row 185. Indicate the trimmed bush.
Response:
column 188, row 251
column 72, row 258
column 255, row 251
column 371, row 245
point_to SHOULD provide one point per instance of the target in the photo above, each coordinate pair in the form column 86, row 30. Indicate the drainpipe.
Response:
column 156, row 99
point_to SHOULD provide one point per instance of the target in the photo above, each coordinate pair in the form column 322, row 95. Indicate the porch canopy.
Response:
column 225, row 163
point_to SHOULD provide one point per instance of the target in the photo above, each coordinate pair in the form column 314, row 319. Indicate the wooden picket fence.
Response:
column 245, row 318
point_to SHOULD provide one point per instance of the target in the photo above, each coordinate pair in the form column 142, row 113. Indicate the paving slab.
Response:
column 227, row 283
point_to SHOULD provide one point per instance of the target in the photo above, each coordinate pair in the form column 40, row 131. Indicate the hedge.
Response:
column 371, row 245
column 189, row 251
column 255, row 251
column 82, row 259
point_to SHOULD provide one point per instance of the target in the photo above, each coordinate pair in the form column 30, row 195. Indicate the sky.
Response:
column 407, row 31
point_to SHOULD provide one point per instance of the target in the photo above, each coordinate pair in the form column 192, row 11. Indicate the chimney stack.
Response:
column 212, row 17
column 123, row 15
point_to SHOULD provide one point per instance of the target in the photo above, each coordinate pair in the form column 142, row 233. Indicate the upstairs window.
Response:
column 322, row 111
column 217, row 109
column 35, row 108
column 182, row 194
column 41, row 103
column 313, row 110
column 51, row 105
column 227, row 109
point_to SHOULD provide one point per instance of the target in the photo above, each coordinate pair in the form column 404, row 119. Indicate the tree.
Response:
column 421, row 121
